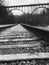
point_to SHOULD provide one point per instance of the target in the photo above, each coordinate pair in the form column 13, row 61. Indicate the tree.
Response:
column 3, row 14
column 1, row 2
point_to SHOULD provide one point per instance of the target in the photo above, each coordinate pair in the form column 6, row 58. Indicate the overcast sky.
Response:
column 23, row 2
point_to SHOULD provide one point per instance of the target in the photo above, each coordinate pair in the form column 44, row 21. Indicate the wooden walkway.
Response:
column 20, row 38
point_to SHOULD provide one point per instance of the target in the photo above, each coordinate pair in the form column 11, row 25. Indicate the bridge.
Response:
column 27, row 8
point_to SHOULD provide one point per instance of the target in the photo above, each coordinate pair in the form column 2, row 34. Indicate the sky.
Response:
column 23, row 2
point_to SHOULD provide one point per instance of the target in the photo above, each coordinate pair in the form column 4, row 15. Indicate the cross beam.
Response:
column 26, row 5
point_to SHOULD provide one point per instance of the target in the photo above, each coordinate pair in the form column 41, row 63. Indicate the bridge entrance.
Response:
column 29, row 10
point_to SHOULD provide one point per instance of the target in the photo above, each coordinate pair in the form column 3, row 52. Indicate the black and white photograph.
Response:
column 24, row 32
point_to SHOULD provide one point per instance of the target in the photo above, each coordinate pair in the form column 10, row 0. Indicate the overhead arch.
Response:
column 38, row 8
column 17, row 10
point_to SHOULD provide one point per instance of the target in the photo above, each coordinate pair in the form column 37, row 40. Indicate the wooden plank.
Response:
column 25, row 39
column 15, row 36
column 34, row 44
column 22, row 39
column 11, row 57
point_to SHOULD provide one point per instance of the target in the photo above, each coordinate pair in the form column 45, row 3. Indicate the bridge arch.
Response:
column 17, row 10
column 38, row 8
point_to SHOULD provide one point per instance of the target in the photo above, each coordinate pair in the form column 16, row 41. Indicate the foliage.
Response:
column 4, row 16
column 34, row 19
